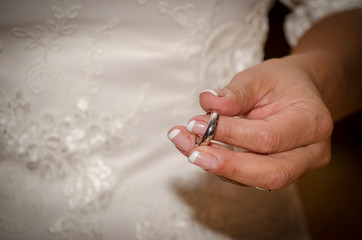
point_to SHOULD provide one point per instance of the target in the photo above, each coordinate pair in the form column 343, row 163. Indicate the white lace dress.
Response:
column 88, row 92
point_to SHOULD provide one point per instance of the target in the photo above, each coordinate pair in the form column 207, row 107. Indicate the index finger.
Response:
column 280, row 132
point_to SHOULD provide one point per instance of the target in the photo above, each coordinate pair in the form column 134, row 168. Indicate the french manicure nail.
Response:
column 180, row 140
column 190, row 125
column 173, row 134
column 203, row 160
column 210, row 91
column 197, row 127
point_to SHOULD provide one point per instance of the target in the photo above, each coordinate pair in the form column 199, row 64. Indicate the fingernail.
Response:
column 173, row 134
column 196, row 127
column 180, row 140
column 210, row 91
column 203, row 160
column 263, row 189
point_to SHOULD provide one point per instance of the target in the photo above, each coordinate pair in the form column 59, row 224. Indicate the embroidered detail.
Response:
column 60, row 147
column 69, row 145
column 76, row 228
column 229, row 48
column 52, row 142
column 305, row 13
column 91, row 190
column 219, row 49
column 40, row 74
column 94, row 51
column 46, row 38
column 196, row 27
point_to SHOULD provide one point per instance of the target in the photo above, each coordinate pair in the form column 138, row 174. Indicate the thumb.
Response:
column 237, row 98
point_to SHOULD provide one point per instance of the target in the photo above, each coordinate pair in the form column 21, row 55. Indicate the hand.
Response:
column 282, row 128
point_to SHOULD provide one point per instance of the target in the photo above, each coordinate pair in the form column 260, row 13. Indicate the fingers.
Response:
column 185, row 141
column 280, row 132
column 286, row 120
column 265, row 171
column 272, row 171
column 276, row 115
column 237, row 98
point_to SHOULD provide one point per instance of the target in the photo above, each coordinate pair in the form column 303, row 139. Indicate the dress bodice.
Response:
column 88, row 92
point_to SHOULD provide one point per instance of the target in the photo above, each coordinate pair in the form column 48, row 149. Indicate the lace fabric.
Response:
column 307, row 12
column 88, row 92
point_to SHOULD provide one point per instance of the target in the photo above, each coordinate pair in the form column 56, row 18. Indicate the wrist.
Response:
column 334, row 78
column 320, row 67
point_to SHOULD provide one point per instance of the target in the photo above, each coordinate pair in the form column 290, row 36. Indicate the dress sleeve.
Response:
column 306, row 12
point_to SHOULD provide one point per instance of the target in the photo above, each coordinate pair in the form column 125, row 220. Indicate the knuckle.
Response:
column 233, row 172
column 221, row 168
column 325, row 159
column 323, row 123
column 269, row 141
column 278, row 180
column 227, row 169
column 326, row 127
column 241, row 93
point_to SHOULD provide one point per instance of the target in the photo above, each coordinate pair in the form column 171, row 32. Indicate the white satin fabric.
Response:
column 89, row 90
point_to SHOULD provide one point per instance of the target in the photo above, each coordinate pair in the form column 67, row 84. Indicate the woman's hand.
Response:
column 284, row 107
column 274, row 114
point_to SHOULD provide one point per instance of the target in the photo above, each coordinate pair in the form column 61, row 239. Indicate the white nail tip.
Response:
column 173, row 134
column 261, row 189
column 211, row 91
column 193, row 156
column 190, row 125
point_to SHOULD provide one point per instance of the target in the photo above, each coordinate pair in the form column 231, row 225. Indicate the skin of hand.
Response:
column 283, row 130
column 279, row 114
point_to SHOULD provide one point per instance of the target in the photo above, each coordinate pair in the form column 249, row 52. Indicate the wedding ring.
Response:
column 210, row 131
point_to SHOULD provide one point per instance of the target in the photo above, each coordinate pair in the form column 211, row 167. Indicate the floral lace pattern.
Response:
column 69, row 144
column 220, row 50
column 50, row 143
column 223, row 50
column 305, row 13
column 68, row 147
column 46, row 37
column 196, row 27
column 229, row 49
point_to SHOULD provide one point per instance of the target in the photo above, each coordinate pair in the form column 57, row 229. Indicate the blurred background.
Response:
column 332, row 196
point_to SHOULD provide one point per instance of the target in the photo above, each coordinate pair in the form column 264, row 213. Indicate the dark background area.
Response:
column 331, row 197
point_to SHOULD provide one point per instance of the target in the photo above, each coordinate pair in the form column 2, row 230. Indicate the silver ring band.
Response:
column 210, row 131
